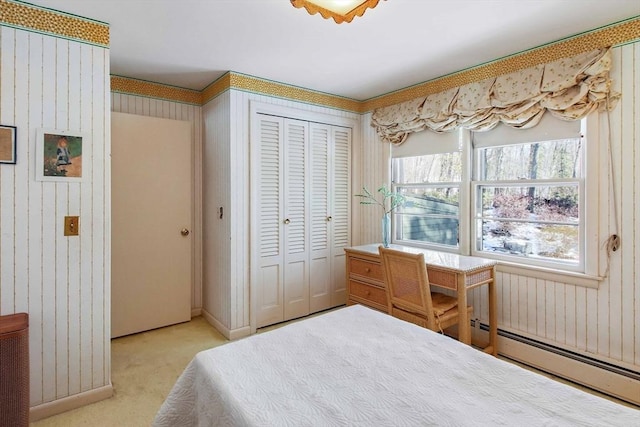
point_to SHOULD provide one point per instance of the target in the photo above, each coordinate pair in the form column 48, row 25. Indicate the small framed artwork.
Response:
column 8, row 144
column 59, row 155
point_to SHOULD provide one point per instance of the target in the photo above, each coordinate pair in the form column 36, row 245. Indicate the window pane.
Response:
column 432, row 229
column 430, row 200
column 556, row 203
column 444, row 167
column 429, row 215
column 535, row 240
column 539, row 221
column 542, row 160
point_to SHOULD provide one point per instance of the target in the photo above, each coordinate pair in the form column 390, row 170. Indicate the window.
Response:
column 527, row 201
column 518, row 195
column 431, row 185
column 428, row 170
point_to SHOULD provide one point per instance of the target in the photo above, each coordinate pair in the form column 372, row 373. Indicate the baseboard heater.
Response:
column 565, row 353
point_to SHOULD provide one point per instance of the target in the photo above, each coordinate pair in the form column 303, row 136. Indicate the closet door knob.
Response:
column 329, row 218
column 184, row 232
column 286, row 221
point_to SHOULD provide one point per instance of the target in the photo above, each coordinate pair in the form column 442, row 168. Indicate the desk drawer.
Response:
column 367, row 293
column 368, row 269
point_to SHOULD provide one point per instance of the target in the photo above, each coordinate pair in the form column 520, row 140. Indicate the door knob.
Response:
column 329, row 218
column 286, row 221
column 184, row 232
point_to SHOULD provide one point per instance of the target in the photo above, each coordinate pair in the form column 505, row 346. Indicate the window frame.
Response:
column 586, row 272
column 464, row 148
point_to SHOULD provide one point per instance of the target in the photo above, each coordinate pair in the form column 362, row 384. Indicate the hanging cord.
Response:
column 612, row 243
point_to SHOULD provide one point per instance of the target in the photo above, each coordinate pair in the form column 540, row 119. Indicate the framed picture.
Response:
column 8, row 144
column 59, row 155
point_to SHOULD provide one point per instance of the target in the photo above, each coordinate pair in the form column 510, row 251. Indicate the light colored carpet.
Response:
column 144, row 368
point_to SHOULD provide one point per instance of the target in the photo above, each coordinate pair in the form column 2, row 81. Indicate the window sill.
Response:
column 570, row 278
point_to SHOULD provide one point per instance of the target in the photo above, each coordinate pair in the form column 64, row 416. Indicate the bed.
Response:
column 358, row 367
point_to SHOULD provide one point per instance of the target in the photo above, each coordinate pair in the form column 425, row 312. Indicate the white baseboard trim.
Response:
column 559, row 362
column 230, row 334
column 195, row 312
column 235, row 334
column 599, row 379
column 552, row 361
column 65, row 404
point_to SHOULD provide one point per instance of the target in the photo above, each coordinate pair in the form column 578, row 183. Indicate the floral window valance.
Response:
column 569, row 88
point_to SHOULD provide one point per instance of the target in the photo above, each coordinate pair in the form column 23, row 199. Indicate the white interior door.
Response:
column 340, row 202
column 281, row 199
column 151, row 223
column 268, row 237
column 321, row 217
column 330, row 214
column 296, row 223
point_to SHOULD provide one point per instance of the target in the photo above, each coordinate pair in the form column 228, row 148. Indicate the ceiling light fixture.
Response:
column 340, row 10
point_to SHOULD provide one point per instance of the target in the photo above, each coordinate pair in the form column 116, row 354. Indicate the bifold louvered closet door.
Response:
column 302, row 197
column 330, row 202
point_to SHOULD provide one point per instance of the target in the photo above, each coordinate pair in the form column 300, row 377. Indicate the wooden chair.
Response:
column 410, row 296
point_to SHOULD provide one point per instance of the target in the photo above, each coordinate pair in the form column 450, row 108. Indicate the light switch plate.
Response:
column 71, row 225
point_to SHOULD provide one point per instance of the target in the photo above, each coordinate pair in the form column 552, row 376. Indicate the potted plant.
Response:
column 389, row 202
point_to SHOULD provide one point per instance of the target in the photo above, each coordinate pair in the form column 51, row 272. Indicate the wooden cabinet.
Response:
column 14, row 370
column 365, row 281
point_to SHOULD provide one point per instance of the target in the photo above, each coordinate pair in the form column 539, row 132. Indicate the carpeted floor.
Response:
column 145, row 367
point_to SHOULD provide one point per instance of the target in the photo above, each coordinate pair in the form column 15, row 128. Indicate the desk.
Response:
column 365, row 282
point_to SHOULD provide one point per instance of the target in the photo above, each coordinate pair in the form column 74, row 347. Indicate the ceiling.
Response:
column 190, row 43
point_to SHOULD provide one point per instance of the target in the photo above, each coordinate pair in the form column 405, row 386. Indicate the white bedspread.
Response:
column 358, row 367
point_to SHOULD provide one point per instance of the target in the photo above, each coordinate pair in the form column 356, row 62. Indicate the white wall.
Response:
column 601, row 323
column 374, row 167
column 217, row 177
column 144, row 106
column 62, row 282
column 227, row 150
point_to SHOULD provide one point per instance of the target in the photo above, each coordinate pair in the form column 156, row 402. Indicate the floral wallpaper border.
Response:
column 49, row 21
column 26, row 16
column 615, row 34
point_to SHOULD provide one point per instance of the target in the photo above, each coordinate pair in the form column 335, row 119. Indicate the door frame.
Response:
column 196, row 182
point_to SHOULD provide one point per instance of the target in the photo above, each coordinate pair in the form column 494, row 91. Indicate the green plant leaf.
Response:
column 395, row 199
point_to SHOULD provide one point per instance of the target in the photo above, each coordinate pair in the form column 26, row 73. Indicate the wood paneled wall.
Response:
column 143, row 106
column 218, row 175
column 603, row 322
column 374, row 169
column 600, row 323
column 62, row 282
column 226, row 120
